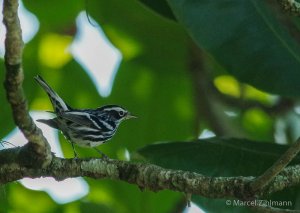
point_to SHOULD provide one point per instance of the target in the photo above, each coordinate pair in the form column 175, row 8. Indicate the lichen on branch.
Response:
column 144, row 175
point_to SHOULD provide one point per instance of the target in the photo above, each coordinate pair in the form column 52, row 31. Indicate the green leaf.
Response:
column 86, row 207
column 56, row 15
column 4, row 202
column 219, row 157
column 254, row 40
column 215, row 156
column 160, row 6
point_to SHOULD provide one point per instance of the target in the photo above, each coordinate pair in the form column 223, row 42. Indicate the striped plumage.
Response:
column 84, row 127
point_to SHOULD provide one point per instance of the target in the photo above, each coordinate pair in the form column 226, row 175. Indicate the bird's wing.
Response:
column 81, row 118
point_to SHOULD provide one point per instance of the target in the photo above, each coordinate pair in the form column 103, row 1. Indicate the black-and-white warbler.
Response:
column 84, row 127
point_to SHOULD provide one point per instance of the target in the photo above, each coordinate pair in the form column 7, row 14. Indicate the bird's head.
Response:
column 115, row 113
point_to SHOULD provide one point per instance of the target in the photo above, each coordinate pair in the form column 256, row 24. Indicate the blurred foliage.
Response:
column 249, row 50
column 230, row 86
column 254, row 40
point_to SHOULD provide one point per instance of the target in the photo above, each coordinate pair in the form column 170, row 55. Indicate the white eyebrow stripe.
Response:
column 114, row 108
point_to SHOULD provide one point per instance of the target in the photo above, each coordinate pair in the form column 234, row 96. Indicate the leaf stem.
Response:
column 260, row 182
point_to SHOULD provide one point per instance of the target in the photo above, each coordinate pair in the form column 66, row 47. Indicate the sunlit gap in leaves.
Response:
column 231, row 113
column 61, row 192
column 287, row 127
column 206, row 134
column 96, row 54
column 193, row 209
column 29, row 24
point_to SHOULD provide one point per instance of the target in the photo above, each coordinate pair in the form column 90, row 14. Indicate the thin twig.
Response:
column 260, row 182
column 13, row 83
column 2, row 142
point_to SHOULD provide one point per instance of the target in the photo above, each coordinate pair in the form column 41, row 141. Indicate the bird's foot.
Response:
column 103, row 156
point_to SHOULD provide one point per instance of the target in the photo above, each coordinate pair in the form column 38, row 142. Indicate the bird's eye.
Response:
column 121, row 113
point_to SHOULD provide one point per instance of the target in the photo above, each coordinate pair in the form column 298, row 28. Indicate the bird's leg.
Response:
column 104, row 156
column 75, row 153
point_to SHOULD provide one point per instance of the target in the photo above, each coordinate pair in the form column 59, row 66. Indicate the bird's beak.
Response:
column 129, row 116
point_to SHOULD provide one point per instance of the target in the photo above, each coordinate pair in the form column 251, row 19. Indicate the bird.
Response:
column 83, row 127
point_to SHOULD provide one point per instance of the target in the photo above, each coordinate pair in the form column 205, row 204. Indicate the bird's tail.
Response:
column 50, row 122
column 58, row 104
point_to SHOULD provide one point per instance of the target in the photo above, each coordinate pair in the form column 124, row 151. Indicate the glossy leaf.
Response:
column 219, row 157
column 215, row 157
column 161, row 7
column 254, row 40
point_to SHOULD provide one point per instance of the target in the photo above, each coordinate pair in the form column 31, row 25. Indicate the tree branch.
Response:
column 260, row 182
column 288, row 177
column 13, row 83
column 143, row 175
